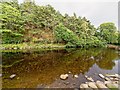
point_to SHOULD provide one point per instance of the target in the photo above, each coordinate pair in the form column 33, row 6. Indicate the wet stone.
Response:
column 92, row 84
column 100, row 84
column 84, row 86
column 13, row 76
column 64, row 76
column 76, row 76
column 100, row 75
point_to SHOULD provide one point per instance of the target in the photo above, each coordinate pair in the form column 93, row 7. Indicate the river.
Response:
column 39, row 69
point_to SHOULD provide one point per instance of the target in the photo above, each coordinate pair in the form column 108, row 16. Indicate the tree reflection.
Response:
column 45, row 67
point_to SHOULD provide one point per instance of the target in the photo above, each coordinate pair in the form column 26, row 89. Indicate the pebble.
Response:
column 69, row 72
column 64, row 76
column 101, row 76
column 76, row 76
column 12, row 76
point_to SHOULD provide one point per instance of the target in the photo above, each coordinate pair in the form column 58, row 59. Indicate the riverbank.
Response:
column 116, row 47
column 108, row 82
column 30, row 46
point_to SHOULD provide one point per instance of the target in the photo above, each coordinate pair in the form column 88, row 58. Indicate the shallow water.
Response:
column 37, row 69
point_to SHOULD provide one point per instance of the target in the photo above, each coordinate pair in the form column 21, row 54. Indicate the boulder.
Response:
column 63, row 76
column 101, row 85
column 110, row 85
column 92, row 85
column 84, row 86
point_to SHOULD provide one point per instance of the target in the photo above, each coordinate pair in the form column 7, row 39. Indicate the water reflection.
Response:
column 44, row 67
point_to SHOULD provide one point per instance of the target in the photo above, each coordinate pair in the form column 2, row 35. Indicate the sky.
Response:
column 97, row 11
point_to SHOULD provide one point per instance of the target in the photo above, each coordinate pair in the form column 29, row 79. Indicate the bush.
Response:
column 65, row 35
column 9, row 37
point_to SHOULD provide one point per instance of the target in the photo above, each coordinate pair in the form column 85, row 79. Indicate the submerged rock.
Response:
column 12, row 76
column 64, row 76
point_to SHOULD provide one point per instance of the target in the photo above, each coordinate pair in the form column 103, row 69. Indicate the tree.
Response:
column 108, row 32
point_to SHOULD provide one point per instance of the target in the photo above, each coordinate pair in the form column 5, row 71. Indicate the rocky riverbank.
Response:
column 110, row 82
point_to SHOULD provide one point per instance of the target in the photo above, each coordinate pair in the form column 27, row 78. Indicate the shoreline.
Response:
column 32, row 46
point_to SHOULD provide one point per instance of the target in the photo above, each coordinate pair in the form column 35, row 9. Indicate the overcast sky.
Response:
column 97, row 11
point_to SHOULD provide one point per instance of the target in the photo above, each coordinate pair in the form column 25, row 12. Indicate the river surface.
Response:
column 39, row 69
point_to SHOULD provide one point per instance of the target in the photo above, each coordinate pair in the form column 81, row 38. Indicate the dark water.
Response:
column 36, row 69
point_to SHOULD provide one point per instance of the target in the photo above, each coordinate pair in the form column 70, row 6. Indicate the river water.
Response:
column 39, row 69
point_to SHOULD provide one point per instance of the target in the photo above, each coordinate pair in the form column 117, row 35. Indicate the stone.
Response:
column 90, row 79
column 106, row 82
column 101, row 76
column 117, row 75
column 76, row 76
column 12, row 76
column 0, row 75
column 64, row 76
column 84, row 86
column 92, row 57
column 106, row 78
column 100, row 84
column 116, row 79
column 86, row 76
column 69, row 72
column 15, row 48
column 110, row 85
column 92, row 84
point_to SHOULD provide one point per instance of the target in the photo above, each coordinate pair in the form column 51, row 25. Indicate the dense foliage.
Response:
column 28, row 22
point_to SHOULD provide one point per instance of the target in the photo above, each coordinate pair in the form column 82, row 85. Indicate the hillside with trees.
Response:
column 31, row 23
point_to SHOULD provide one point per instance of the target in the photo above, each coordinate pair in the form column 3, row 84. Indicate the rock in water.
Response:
column 101, row 85
column 92, row 85
column 69, row 72
column 12, row 76
column 76, row 76
column 101, row 76
column 92, row 57
column 84, row 86
column 89, row 78
column 110, row 85
column 64, row 76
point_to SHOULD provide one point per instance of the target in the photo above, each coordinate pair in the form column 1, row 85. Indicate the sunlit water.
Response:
column 37, row 69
